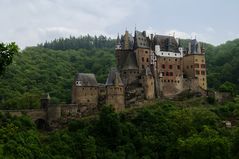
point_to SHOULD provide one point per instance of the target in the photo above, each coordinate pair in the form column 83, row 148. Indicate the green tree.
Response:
column 228, row 87
column 6, row 55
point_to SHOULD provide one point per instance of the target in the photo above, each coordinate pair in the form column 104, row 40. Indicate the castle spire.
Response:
column 118, row 44
column 126, row 39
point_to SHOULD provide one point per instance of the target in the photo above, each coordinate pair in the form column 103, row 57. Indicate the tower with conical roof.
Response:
column 126, row 40
column 118, row 44
column 115, row 90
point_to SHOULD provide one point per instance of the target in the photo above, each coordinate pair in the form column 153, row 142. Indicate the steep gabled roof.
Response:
column 130, row 62
column 195, row 47
column 114, row 78
column 167, row 43
column 141, row 40
column 86, row 79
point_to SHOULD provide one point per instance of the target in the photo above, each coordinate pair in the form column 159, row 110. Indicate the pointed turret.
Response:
column 118, row 44
column 114, row 78
column 199, row 51
column 126, row 40
column 189, row 47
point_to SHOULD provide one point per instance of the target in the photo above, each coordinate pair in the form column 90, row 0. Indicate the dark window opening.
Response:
column 196, row 65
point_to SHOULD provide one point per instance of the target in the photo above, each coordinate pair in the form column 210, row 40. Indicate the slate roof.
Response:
column 130, row 40
column 86, row 79
column 141, row 40
column 130, row 62
column 123, row 57
column 195, row 46
column 114, row 78
column 167, row 43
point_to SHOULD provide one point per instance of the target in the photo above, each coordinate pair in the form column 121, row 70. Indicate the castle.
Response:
column 148, row 67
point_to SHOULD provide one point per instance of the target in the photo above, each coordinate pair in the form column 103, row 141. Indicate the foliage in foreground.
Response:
column 6, row 55
column 164, row 130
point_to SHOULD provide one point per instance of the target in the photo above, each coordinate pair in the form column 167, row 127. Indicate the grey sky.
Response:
column 29, row 22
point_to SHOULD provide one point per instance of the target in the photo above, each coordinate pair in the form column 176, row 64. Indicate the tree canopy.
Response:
column 6, row 55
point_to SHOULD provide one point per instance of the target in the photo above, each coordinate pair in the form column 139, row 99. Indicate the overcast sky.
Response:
column 29, row 22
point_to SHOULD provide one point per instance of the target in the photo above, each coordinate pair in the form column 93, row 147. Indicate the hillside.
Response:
column 190, row 129
column 223, row 64
column 37, row 69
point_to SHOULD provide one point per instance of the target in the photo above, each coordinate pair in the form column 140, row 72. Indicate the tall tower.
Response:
column 115, row 90
column 126, row 40
column 118, row 44
column 142, row 50
column 194, row 64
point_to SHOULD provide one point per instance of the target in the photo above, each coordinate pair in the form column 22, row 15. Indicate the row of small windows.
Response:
column 167, row 73
column 116, row 89
column 174, row 59
column 144, row 44
column 143, row 39
column 169, row 54
column 197, row 65
column 202, row 72
column 89, row 88
column 172, row 81
column 170, row 66
column 96, row 88
column 147, row 60
column 197, row 60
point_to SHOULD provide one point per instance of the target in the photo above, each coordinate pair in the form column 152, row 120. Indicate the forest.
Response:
column 50, row 68
column 193, row 128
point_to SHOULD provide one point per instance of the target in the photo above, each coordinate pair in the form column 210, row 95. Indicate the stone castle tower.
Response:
column 115, row 90
column 194, row 63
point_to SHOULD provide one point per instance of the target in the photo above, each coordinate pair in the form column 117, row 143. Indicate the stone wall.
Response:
column 148, row 84
column 129, row 76
column 170, row 75
column 86, row 96
column 115, row 97
column 142, row 58
column 195, row 67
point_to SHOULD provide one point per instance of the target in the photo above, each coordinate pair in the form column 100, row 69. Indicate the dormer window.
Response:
column 78, row 83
